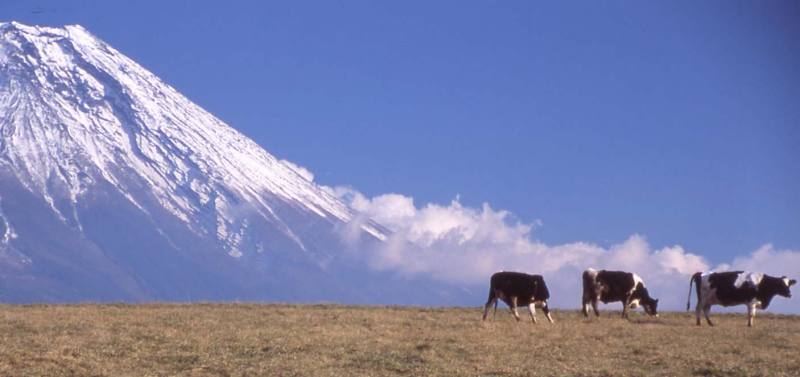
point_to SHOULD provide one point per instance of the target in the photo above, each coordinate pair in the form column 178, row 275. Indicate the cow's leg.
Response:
column 626, row 305
column 751, row 314
column 598, row 292
column 585, row 299
column 494, row 314
column 697, row 310
column 706, row 310
column 514, row 308
column 546, row 310
column 532, row 310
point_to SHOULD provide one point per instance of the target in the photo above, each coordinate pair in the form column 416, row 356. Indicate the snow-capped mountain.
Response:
column 115, row 186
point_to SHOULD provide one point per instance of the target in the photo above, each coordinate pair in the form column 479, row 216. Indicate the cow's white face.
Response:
column 788, row 283
column 651, row 307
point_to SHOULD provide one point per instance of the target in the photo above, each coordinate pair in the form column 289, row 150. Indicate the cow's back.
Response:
column 728, row 292
column 513, row 284
column 616, row 285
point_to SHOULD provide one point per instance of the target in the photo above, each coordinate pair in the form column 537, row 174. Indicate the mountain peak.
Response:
column 77, row 115
column 36, row 30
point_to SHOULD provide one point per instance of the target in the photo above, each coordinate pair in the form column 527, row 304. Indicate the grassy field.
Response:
column 329, row 340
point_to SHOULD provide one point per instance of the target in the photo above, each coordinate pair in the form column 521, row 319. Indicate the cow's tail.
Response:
column 492, row 292
column 492, row 297
column 589, row 277
column 696, row 281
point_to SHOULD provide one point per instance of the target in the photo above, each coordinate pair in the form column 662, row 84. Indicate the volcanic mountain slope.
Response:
column 114, row 186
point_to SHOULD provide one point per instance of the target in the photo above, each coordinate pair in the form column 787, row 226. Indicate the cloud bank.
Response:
column 464, row 246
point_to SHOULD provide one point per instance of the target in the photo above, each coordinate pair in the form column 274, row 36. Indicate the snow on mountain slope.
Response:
column 74, row 110
column 103, row 158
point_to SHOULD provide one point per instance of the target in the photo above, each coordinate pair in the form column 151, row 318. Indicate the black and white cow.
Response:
column 613, row 286
column 517, row 288
column 756, row 290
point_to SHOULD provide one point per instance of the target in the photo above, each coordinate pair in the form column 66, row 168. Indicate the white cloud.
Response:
column 766, row 258
column 463, row 245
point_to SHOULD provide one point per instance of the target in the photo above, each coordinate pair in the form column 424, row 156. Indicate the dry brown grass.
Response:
column 329, row 340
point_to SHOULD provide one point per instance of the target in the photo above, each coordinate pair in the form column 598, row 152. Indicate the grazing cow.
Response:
column 613, row 286
column 516, row 288
column 756, row 290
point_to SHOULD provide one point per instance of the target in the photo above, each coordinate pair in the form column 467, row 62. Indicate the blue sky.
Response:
column 678, row 121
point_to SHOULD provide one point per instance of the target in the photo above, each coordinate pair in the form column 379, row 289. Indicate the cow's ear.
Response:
column 792, row 282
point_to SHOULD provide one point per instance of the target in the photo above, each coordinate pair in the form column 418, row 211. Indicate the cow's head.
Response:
column 784, row 288
column 541, row 293
column 649, row 304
